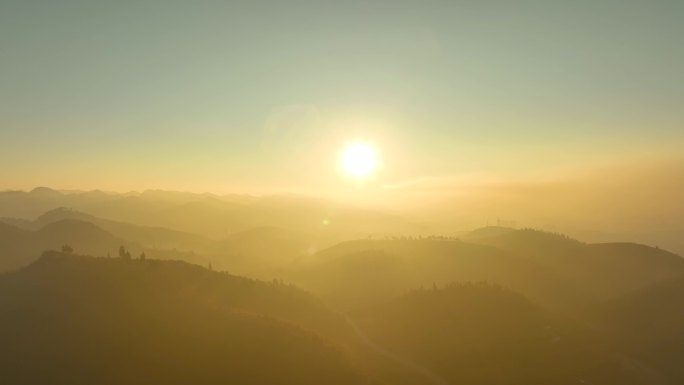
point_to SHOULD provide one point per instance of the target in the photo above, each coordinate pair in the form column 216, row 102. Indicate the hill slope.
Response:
column 649, row 323
column 482, row 334
column 110, row 321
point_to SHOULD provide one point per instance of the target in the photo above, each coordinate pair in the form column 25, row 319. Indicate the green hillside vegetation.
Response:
column 483, row 334
column 654, row 313
column 69, row 319
column 649, row 324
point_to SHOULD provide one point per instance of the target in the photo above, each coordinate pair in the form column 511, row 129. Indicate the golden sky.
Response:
column 261, row 98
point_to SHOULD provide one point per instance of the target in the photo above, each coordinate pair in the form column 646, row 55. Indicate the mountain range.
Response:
column 320, row 304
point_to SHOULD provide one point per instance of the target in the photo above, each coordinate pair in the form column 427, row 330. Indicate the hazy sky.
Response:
column 260, row 96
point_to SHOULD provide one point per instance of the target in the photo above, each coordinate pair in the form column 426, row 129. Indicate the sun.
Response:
column 359, row 160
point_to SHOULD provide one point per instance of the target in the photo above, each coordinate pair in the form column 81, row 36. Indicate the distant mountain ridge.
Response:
column 154, row 237
column 606, row 269
column 20, row 247
column 420, row 288
column 208, row 215
column 257, row 251
column 395, row 266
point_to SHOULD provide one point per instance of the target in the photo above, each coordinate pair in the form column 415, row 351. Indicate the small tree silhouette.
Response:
column 143, row 256
column 124, row 254
column 66, row 249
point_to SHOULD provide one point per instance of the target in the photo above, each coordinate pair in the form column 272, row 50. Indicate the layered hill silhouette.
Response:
column 400, row 292
column 605, row 269
column 264, row 251
column 260, row 252
column 209, row 215
column 357, row 273
column 147, row 236
column 70, row 319
column 493, row 306
column 20, row 247
column 551, row 269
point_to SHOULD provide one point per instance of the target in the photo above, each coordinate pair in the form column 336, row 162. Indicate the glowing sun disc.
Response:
column 359, row 160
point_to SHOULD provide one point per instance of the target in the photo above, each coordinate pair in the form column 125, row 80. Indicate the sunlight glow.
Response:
column 359, row 160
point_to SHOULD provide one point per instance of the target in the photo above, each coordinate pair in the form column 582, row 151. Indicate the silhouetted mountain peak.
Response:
column 489, row 231
column 58, row 211
column 72, row 224
column 45, row 191
column 78, row 231
column 59, row 214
